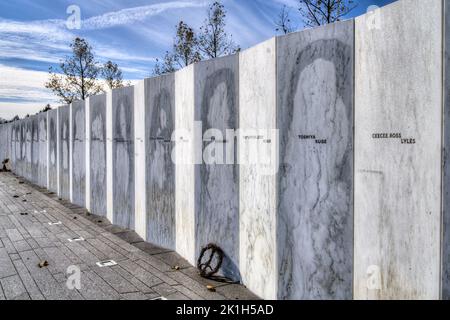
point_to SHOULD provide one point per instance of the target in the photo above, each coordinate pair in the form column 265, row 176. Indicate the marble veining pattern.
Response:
column 64, row 153
column 42, row 138
column 27, row 159
column 315, row 181
column 78, row 153
column 185, row 188
column 97, row 117
column 290, row 234
column 34, row 149
column 52, row 136
column 446, row 164
column 398, row 181
column 217, row 210
column 123, row 157
column 160, row 123
column 257, row 219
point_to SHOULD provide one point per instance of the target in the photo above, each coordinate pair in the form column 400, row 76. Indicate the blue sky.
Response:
column 133, row 33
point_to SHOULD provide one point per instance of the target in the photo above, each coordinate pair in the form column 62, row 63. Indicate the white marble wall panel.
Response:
column 34, row 124
column 257, row 191
column 78, row 157
column 123, row 181
column 10, row 138
column 315, row 181
column 64, row 152
column 3, row 142
column 160, row 174
column 446, row 163
column 140, row 169
column 87, row 154
column 18, row 147
column 97, row 153
column 109, row 158
column 184, row 139
column 43, row 153
column 53, row 150
column 217, row 207
column 27, row 141
column 398, row 105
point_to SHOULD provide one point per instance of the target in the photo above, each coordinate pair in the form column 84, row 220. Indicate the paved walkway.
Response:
column 143, row 271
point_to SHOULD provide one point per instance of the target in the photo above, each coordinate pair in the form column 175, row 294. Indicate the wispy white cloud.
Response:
column 47, row 40
column 137, row 14
column 249, row 25
column 37, row 28
column 57, row 29
column 150, row 29
column 18, row 83
column 22, row 91
column 10, row 109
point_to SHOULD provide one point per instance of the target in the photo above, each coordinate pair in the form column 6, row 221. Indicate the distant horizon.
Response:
column 34, row 37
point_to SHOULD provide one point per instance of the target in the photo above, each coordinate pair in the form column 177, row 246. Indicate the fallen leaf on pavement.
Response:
column 43, row 264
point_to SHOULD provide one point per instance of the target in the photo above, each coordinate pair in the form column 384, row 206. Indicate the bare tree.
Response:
column 77, row 77
column 112, row 75
column 167, row 65
column 214, row 41
column 319, row 12
column 185, row 46
column 283, row 22
column 184, row 51
column 46, row 108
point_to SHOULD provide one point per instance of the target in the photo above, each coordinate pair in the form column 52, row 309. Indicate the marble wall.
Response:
column 19, row 147
column 43, row 150
column 53, row 150
column 185, row 187
column 14, row 160
column 64, row 152
column 20, row 150
column 8, row 150
column 342, row 172
column 257, row 191
column 78, row 140
column 140, row 159
column 34, row 122
column 16, row 147
column 315, row 181
column 27, row 142
column 123, row 157
column 97, row 155
column 446, row 164
column 3, row 142
column 160, row 173
column 398, row 152
column 22, row 147
column 217, row 204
